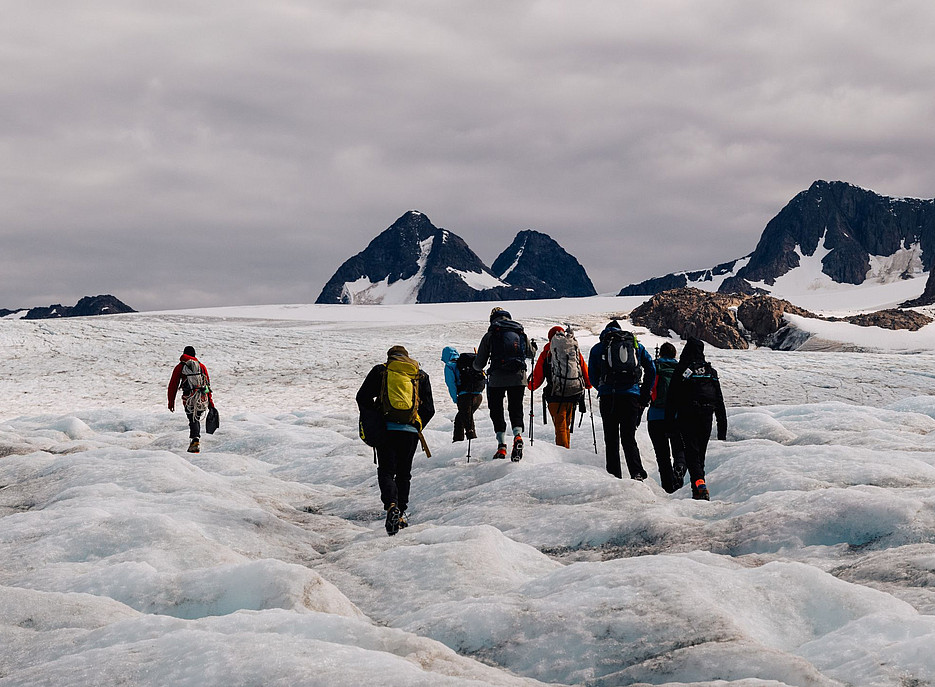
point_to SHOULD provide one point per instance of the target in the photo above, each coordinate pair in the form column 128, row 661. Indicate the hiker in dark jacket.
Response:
column 694, row 398
column 561, row 402
column 621, row 404
column 192, row 377
column 656, row 423
column 505, row 346
column 395, row 452
column 466, row 394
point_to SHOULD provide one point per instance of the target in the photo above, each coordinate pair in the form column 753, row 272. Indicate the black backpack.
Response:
column 467, row 379
column 701, row 384
column 507, row 346
column 664, row 371
column 620, row 359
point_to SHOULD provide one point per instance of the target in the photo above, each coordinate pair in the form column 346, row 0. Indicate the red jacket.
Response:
column 538, row 373
column 176, row 380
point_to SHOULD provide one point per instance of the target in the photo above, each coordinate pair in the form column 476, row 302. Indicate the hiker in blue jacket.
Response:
column 466, row 387
column 621, row 395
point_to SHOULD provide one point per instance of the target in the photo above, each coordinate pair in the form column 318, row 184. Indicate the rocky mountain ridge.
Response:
column 88, row 306
column 856, row 235
column 413, row 261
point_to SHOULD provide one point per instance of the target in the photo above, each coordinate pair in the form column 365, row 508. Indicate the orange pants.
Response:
column 561, row 413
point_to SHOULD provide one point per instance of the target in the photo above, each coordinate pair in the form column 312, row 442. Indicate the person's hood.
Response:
column 555, row 330
column 449, row 354
column 185, row 356
column 693, row 351
column 613, row 325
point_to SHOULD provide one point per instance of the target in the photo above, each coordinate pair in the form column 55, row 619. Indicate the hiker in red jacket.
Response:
column 192, row 377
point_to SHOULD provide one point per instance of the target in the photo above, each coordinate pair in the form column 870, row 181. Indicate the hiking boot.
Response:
column 700, row 491
column 392, row 519
column 678, row 476
column 194, row 447
column 517, row 454
column 640, row 476
column 501, row 452
column 403, row 520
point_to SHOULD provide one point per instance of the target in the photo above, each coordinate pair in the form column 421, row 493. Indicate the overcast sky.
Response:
column 223, row 152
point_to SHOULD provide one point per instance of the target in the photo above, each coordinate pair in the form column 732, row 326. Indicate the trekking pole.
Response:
column 532, row 418
column 593, row 431
column 469, row 451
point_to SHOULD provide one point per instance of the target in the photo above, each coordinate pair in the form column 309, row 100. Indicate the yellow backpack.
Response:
column 399, row 395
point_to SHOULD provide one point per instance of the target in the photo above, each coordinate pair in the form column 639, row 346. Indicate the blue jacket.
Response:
column 596, row 372
column 450, row 357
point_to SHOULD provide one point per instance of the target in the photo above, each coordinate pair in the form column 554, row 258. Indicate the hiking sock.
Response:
column 501, row 438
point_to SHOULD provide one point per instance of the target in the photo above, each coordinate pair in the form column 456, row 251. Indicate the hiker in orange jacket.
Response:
column 566, row 380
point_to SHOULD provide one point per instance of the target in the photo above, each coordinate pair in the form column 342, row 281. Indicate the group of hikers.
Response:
column 683, row 397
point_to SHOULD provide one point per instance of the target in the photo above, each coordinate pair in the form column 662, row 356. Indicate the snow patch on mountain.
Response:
column 479, row 281
column 365, row 292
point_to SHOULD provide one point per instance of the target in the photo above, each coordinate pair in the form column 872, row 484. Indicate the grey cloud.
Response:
column 278, row 138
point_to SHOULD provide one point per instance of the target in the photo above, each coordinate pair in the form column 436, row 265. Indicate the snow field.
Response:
column 263, row 560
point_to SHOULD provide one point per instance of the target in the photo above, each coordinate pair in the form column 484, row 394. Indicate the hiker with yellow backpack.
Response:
column 395, row 403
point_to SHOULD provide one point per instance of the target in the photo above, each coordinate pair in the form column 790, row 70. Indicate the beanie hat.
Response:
column 396, row 351
column 613, row 324
column 189, row 350
column 499, row 313
column 667, row 350
column 555, row 330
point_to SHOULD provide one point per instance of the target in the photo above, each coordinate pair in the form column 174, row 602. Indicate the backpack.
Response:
column 399, row 392
column 507, row 346
column 701, row 386
column 566, row 378
column 664, row 371
column 194, row 388
column 467, row 379
column 621, row 363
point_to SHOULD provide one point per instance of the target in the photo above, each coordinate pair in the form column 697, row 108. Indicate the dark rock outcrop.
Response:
column 87, row 306
column 536, row 261
column 928, row 294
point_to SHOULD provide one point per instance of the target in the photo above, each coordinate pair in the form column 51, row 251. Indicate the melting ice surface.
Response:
column 263, row 560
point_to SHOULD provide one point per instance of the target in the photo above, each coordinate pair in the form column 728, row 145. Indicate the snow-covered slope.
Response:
column 263, row 559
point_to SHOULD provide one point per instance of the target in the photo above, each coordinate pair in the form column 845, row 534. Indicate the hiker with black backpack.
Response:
column 695, row 398
column 561, row 366
column 667, row 446
column 506, row 347
column 466, row 387
column 399, row 395
column 192, row 377
column 618, row 362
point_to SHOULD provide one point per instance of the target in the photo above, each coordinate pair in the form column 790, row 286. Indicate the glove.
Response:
column 171, row 409
column 581, row 406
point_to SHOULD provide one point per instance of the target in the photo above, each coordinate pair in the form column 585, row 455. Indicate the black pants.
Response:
column 694, row 427
column 194, row 425
column 620, row 414
column 394, row 467
column 464, row 420
column 665, row 458
column 514, row 396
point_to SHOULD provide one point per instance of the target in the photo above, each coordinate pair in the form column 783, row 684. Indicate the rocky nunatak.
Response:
column 739, row 320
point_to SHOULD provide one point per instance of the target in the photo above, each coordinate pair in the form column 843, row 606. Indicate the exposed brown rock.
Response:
column 692, row 312
column 734, row 320
column 888, row 319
